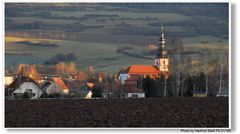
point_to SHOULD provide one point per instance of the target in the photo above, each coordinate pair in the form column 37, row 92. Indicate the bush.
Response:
column 60, row 58
column 44, row 95
column 54, row 95
column 96, row 92
column 150, row 87
column 68, row 96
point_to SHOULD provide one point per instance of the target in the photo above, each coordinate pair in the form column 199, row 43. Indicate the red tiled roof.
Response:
column 60, row 83
column 142, row 69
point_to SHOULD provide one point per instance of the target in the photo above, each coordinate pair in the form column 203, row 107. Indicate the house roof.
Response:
column 89, row 84
column 17, row 83
column 142, row 69
column 60, row 83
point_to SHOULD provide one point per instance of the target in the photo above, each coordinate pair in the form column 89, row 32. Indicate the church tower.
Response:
column 162, row 60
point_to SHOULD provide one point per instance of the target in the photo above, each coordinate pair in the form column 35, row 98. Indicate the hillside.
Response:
column 95, row 31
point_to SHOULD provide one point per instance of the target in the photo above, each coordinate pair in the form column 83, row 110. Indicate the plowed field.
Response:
column 149, row 112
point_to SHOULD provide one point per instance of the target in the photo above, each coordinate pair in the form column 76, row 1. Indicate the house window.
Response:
column 134, row 95
column 29, row 91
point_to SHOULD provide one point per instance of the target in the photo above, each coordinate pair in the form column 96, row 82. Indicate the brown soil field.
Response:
column 149, row 112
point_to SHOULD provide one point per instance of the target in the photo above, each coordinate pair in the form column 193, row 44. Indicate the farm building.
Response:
column 55, row 85
column 21, row 85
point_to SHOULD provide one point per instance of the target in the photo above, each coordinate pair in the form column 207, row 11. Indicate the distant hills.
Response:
column 94, row 31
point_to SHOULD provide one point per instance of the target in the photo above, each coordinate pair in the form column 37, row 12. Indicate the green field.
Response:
column 102, row 56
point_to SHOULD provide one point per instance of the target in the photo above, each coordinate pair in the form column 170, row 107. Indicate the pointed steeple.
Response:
column 162, row 61
column 162, row 39
column 162, row 45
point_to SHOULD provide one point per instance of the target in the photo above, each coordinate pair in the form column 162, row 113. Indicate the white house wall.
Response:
column 29, row 85
column 140, row 95
column 53, row 88
column 123, row 77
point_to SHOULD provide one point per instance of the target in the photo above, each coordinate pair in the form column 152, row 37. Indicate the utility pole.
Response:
column 206, row 61
column 165, row 79
column 220, row 80
column 141, row 82
column 121, row 91
column 206, row 73
column 165, row 85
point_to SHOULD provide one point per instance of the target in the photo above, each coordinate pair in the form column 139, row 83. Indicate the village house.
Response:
column 129, row 77
column 131, row 88
column 21, row 85
column 67, row 86
column 55, row 86
column 78, row 88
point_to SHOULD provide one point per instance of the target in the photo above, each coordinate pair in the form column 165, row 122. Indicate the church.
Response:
column 129, row 77
column 160, row 66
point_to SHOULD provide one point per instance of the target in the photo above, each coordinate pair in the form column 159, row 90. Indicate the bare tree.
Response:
column 223, row 66
column 29, row 71
column 63, row 68
column 206, row 56
column 218, row 72
column 179, row 64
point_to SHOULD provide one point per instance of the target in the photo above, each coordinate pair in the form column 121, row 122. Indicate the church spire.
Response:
column 162, row 39
column 162, row 60
column 162, row 45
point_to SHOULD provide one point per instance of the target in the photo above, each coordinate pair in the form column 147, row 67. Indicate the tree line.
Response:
column 210, row 75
